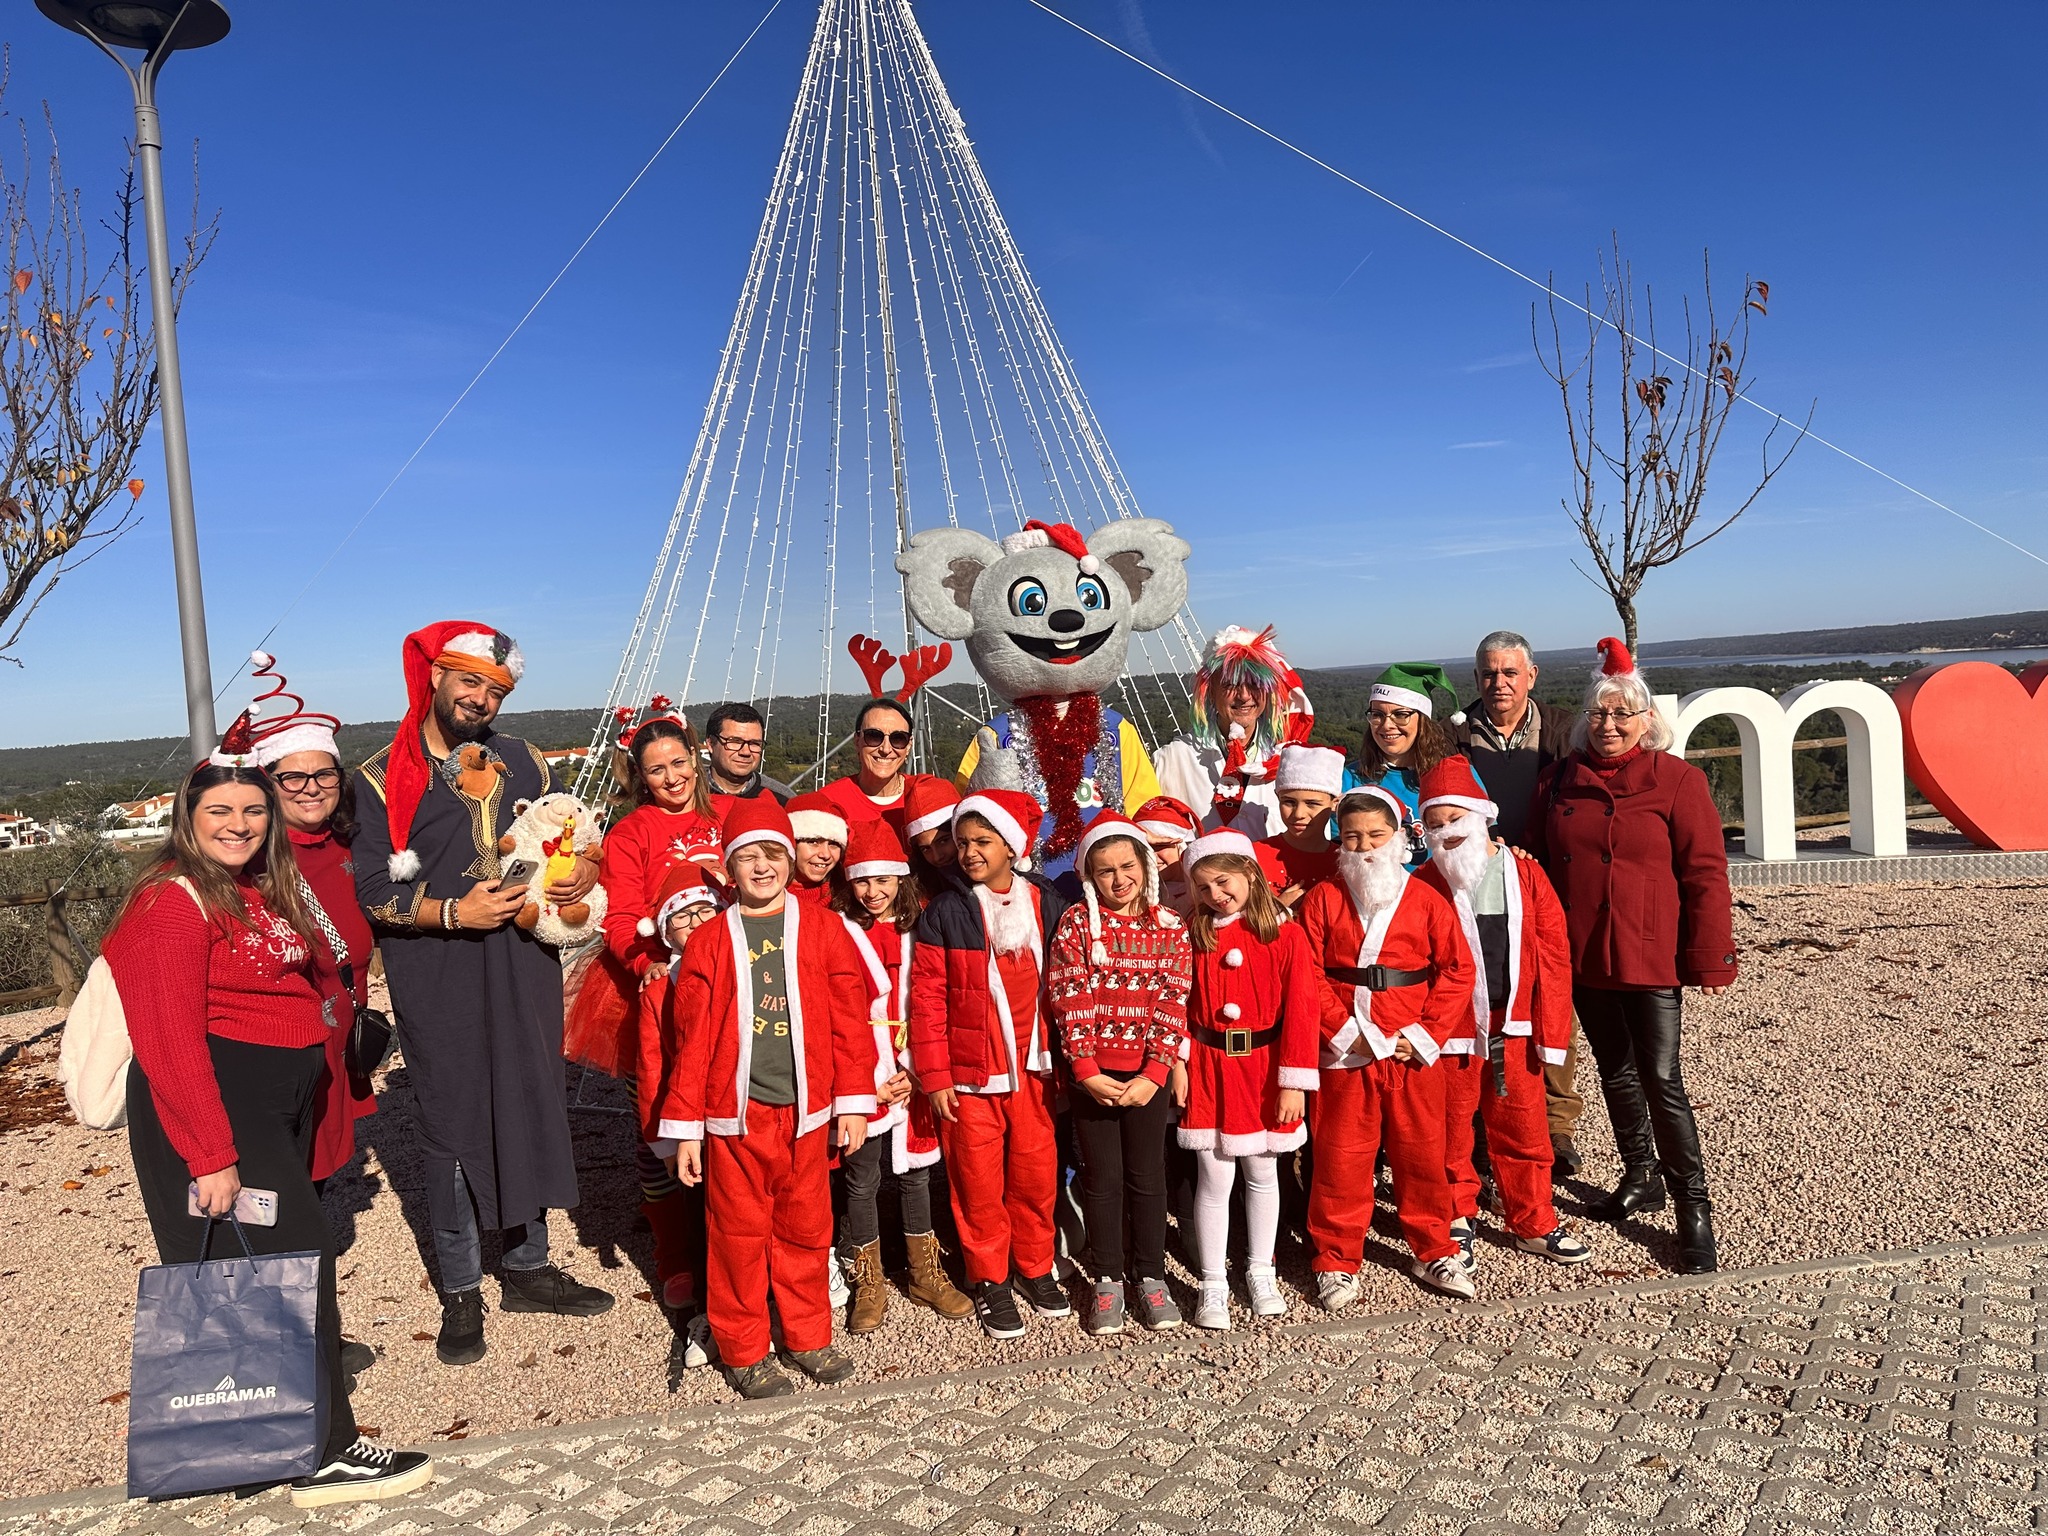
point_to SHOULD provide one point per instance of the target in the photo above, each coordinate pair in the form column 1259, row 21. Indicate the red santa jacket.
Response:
column 1418, row 932
column 1640, row 869
column 1539, row 964
column 1243, row 984
column 711, row 1012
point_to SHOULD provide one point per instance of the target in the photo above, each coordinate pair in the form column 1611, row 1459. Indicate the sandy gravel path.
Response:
column 1874, row 1082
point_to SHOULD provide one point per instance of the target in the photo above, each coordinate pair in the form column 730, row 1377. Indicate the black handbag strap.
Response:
column 206, row 1239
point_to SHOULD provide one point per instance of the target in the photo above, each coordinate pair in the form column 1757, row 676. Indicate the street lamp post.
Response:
column 157, row 30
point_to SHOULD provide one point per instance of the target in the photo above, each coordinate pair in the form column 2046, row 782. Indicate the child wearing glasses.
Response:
column 1409, row 715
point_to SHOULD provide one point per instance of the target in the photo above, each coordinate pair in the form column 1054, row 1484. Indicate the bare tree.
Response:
column 1656, row 451
column 78, row 380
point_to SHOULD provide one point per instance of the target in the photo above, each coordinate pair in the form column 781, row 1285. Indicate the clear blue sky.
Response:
column 1372, row 460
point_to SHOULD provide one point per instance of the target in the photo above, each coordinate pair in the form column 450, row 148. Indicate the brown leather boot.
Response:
column 870, row 1290
column 929, row 1284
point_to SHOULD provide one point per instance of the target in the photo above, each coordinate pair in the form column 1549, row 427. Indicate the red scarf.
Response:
column 1061, row 744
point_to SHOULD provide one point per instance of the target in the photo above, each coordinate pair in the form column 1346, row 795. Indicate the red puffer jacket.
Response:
column 949, row 998
column 1641, row 870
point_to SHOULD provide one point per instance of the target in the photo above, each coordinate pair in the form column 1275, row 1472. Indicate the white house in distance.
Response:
column 19, row 831
column 138, row 821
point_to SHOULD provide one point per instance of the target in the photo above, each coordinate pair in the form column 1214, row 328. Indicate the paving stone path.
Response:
column 1907, row 1394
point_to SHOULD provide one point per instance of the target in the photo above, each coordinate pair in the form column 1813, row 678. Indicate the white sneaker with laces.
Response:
column 366, row 1470
column 1559, row 1246
column 1335, row 1289
column 835, row 1283
column 1465, row 1233
column 1212, row 1306
column 1264, row 1290
column 1446, row 1274
column 699, row 1348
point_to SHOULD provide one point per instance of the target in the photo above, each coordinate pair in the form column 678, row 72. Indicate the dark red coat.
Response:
column 1641, row 870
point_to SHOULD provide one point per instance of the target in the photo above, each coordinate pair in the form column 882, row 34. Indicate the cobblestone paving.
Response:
column 1903, row 1396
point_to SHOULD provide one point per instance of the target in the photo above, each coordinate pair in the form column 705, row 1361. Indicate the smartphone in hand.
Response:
column 253, row 1207
column 518, row 875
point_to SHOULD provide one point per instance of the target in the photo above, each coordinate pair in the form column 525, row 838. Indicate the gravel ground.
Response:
column 1873, row 1082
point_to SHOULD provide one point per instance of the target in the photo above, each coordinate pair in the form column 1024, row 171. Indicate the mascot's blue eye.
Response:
column 1027, row 599
column 1093, row 594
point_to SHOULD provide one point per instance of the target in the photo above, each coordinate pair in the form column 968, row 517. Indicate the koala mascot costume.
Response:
column 1047, row 617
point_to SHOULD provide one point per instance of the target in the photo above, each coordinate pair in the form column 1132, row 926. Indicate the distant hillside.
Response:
column 1998, row 631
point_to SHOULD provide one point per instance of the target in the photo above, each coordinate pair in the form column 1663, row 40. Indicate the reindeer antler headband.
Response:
column 919, row 667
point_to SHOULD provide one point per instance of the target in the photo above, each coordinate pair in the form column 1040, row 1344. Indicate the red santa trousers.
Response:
column 1003, row 1165
column 768, row 1217
column 1347, row 1118
column 1517, row 1136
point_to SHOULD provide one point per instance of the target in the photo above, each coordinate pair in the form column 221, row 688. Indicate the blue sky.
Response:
column 1339, row 408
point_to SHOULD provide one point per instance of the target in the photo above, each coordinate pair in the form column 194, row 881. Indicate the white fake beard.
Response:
column 1008, row 922
column 1464, row 866
column 1374, row 878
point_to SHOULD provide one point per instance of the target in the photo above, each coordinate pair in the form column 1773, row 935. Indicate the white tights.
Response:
column 1212, row 1208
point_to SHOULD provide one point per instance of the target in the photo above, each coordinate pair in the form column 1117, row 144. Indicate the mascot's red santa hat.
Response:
column 456, row 645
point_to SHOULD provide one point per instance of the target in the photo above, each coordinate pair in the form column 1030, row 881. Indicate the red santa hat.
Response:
column 928, row 804
column 875, row 849
column 1164, row 817
column 253, row 742
column 1013, row 814
column 1385, row 797
column 457, row 645
column 1106, row 825
column 1452, row 782
column 686, row 885
column 1615, row 660
column 817, row 815
column 759, row 820
column 1064, row 537
column 1221, row 841
column 1316, row 768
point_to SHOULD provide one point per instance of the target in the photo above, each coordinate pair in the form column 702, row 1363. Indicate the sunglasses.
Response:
column 896, row 740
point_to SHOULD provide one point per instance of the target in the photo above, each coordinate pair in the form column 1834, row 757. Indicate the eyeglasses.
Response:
column 299, row 783
column 897, row 741
column 1391, row 716
column 1612, row 716
column 739, row 743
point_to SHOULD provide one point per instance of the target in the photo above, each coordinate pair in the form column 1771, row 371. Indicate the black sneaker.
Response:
column 547, row 1289
column 996, row 1308
column 827, row 1366
column 462, row 1328
column 761, row 1379
column 366, row 1470
column 356, row 1358
column 1048, row 1298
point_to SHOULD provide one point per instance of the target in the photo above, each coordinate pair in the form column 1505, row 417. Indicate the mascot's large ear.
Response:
column 939, row 572
column 1150, row 557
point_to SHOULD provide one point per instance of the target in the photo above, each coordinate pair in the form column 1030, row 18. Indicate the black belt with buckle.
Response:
column 1377, row 978
column 1235, row 1042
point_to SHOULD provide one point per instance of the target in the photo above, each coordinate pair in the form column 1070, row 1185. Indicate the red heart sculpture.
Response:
column 1977, row 745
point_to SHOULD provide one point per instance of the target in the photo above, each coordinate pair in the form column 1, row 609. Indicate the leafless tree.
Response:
column 1655, row 452
column 77, row 368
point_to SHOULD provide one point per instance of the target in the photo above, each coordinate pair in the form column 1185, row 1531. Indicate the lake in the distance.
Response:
column 1897, row 660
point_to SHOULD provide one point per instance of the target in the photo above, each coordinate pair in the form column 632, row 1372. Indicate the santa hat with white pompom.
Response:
column 253, row 742
column 1108, row 824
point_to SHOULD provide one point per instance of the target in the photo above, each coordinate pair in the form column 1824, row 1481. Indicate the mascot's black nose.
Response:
column 1066, row 620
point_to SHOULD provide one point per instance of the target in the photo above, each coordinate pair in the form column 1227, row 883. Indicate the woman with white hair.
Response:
column 1631, row 839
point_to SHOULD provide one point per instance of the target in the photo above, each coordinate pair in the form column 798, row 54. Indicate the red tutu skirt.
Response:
column 601, row 1015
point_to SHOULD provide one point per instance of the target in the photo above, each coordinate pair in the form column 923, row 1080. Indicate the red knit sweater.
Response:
column 183, row 976
column 638, row 854
column 1130, row 1014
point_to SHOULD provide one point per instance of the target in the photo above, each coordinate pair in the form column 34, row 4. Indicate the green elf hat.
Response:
column 1410, row 684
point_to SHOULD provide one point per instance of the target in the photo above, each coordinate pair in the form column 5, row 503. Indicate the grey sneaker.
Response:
column 761, row 1379
column 1105, row 1309
column 1155, row 1307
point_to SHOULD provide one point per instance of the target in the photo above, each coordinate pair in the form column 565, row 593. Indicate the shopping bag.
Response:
column 228, row 1384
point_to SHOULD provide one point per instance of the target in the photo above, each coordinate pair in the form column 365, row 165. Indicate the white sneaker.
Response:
column 1446, row 1274
column 699, row 1348
column 1212, row 1307
column 1335, row 1289
column 1559, row 1246
column 1264, row 1291
column 1465, row 1233
column 835, row 1282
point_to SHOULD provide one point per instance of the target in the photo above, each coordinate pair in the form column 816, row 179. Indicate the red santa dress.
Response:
column 1367, row 1095
column 768, row 1202
column 1535, row 1018
column 911, row 1127
column 1253, row 1017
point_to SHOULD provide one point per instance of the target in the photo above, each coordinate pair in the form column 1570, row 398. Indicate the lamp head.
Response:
column 142, row 24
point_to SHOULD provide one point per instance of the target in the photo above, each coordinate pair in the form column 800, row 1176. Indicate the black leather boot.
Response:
column 1696, row 1255
column 1640, row 1189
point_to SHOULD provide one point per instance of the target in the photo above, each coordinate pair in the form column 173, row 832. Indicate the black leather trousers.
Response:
column 1635, row 1039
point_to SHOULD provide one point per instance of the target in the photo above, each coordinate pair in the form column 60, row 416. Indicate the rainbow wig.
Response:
column 1238, row 658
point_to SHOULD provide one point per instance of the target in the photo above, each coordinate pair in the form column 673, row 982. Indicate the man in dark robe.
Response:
column 478, row 1001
